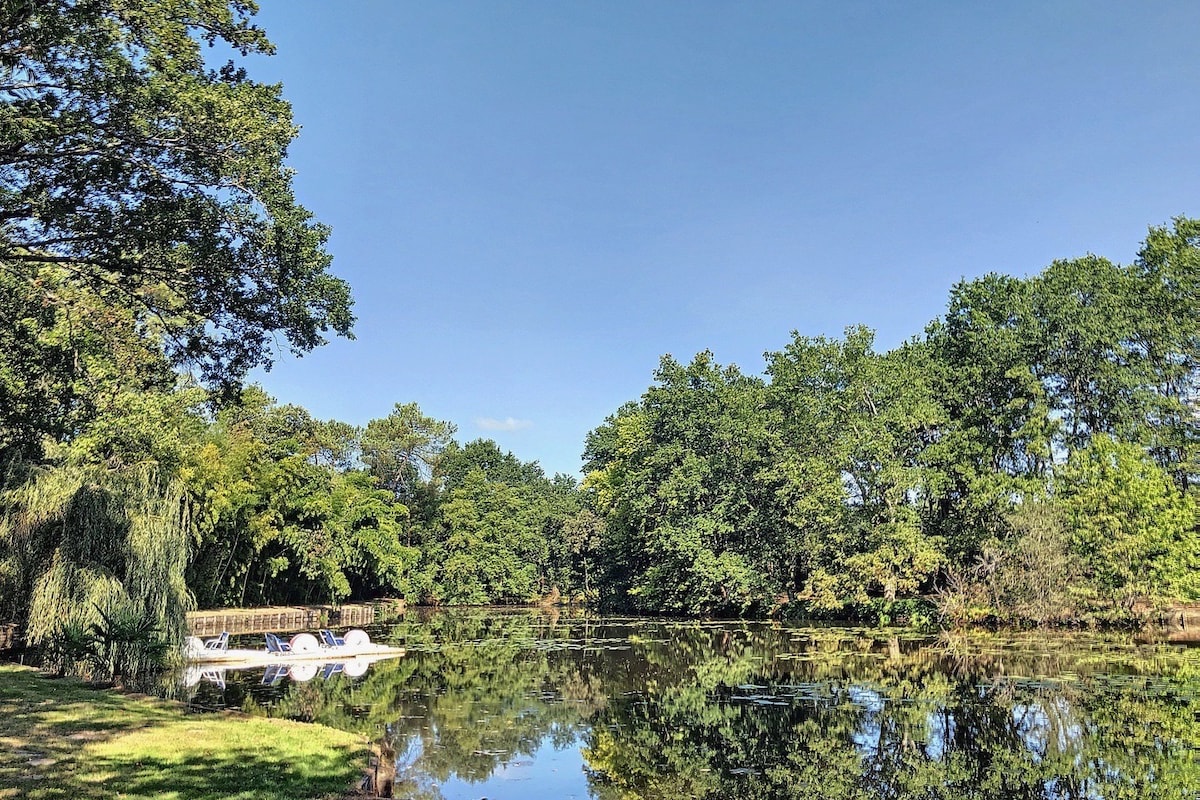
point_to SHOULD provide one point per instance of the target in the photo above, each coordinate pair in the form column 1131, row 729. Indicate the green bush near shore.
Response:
column 61, row 739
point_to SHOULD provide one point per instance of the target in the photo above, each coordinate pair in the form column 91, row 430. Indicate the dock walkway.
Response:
column 284, row 619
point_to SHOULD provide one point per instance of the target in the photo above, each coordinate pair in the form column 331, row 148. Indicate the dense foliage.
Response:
column 157, row 181
column 1033, row 456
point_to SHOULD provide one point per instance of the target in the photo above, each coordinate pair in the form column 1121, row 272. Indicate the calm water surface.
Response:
column 531, row 704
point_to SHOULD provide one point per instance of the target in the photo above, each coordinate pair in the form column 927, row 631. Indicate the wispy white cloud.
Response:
column 506, row 424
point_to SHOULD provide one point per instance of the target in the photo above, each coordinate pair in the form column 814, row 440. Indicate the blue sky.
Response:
column 533, row 201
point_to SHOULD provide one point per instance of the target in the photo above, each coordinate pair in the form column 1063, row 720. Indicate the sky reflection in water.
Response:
column 520, row 704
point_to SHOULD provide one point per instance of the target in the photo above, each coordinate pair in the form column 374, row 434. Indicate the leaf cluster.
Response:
column 156, row 182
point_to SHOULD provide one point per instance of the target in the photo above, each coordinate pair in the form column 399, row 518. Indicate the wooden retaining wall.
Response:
column 285, row 619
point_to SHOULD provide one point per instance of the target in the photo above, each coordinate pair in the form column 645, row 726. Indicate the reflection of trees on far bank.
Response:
column 901, row 735
column 839, row 715
column 762, row 710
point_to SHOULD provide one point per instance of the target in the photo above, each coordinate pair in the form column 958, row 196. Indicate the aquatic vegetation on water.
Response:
column 648, row 709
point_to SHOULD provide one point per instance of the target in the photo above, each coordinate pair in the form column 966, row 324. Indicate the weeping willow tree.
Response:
column 83, row 545
column 95, row 525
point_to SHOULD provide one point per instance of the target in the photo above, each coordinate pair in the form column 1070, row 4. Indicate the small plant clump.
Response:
column 123, row 646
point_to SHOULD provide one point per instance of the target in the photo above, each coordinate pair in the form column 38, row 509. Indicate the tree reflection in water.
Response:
column 759, row 710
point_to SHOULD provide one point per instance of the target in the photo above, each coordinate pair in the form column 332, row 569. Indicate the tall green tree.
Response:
column 691, row 525
column 402, row 449
column 502, row 531
column 147, row 221
column 157, row 181
column 1136, row 533
column 854, row 425
column 276, row 525
column 491, row 548
column 1166, row 280
column 1085, row 313
column 997, row 437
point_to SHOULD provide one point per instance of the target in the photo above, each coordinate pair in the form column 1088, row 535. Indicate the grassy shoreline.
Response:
column 62, row 739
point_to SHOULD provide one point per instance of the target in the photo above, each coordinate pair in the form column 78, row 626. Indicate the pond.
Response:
column 538, row 704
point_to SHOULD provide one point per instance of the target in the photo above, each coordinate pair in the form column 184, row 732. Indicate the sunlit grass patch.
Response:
column 60, row 739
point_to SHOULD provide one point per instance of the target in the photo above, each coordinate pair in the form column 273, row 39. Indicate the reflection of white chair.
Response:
column 192, row 676
column 219, row 643
column 215, row 676
column 274, row 674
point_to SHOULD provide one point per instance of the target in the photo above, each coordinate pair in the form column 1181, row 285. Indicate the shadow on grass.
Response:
column 60, row 739
column 235, row 773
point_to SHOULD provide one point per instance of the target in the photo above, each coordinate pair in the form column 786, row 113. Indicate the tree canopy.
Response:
column 133, row 168
column 1044, row 424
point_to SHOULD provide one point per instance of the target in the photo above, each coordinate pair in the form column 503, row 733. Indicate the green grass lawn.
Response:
column 60, row 739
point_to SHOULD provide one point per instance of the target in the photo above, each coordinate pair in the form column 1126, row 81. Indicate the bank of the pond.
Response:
column 61, row 739
column 1176, row 622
